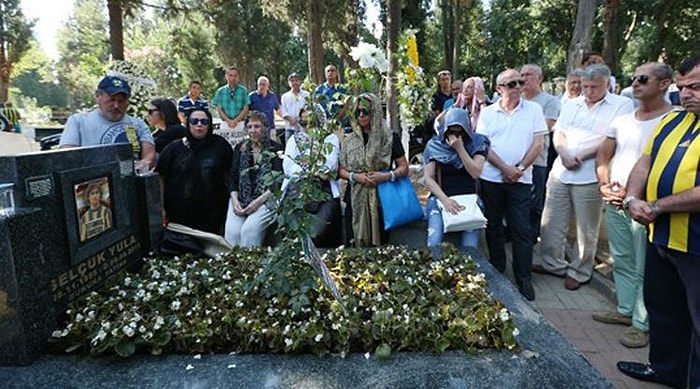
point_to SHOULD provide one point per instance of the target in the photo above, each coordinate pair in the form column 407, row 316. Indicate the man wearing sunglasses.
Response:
column 663, row 193
column 623, row 145
column 516, row 129
column 572, row 187
column 109, row 123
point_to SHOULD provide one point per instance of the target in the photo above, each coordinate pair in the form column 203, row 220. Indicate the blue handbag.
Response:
column 400, row 203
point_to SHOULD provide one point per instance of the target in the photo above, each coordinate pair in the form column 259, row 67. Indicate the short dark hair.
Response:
column 195, row 82
column 256, row 115
column 689, row 64
column 233, row 67
column 589, row 54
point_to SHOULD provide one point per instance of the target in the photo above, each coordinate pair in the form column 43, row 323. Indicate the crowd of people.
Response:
column 548, row 171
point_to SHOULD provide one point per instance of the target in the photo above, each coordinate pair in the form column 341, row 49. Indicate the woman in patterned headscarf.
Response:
column 368, row 150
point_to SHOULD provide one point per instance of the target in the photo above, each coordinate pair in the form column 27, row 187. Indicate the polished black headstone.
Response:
column 81, row 248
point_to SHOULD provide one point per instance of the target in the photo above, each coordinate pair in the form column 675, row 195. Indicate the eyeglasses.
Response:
column 195, row 121
column 361, row 111
column 643, row 79
column 251, row 126
column 151, row 110
column 513, row 84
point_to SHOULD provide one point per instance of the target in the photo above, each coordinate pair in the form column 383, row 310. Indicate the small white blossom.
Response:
column 318, row 337
column 128, row 331
column 189, row 367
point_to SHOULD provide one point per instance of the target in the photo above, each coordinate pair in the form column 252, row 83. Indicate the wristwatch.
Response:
column 626, row 202
column 520, row 167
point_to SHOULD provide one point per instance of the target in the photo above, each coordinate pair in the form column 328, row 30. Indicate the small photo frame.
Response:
column 93, row 208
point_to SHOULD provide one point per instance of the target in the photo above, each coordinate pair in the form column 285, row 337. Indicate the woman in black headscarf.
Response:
column 194, row 175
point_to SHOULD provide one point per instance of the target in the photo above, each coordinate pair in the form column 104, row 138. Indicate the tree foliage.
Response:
column 15, row 36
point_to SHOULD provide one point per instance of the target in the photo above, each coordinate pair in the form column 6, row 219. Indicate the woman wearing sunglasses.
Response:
column 194, row 173
column 366, row 156
column 162, row 115
column 253, row 159
column 302, row 149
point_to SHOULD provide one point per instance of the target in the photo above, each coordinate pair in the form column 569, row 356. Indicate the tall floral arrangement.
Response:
column 143, row 88
column 414, row 94
column 368, row 78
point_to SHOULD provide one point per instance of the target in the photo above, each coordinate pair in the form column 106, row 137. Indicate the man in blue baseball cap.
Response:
column 109, row 123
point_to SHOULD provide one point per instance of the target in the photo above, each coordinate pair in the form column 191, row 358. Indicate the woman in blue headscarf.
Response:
column 453, row 163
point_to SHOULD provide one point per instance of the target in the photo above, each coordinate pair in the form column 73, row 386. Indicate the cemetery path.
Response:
column 570, row 312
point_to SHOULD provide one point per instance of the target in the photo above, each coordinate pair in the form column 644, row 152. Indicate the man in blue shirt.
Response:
column 265, row 101
column 330, row 91
column 193, row 99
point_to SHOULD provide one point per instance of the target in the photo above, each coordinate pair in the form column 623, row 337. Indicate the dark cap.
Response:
column 112, row 85
column 292, row 76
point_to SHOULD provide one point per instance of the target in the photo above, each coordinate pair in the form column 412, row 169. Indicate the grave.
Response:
column 81, row 215
column 545, row 360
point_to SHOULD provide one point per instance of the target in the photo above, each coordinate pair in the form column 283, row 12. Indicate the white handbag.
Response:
column 470, row 218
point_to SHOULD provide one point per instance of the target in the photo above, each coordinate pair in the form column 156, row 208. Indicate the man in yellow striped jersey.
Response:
column 664, row 193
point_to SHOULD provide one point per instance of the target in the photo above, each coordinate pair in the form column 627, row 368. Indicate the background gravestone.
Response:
column 78, row 248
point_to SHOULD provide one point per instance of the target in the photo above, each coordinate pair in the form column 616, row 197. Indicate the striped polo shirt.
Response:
column 675, row 152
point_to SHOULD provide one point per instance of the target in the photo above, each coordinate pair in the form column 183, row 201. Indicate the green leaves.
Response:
column 259, row 300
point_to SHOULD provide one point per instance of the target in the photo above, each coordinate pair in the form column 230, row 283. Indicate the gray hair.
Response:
column 597, row 71
column 578, row 72
column 661, row 70
column 536, row 68
column 261, row 78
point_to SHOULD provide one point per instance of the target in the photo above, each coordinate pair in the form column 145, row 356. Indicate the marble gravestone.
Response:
column 81, row 216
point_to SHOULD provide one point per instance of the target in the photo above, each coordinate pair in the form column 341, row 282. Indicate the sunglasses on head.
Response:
column 361, row 111
column 195, row 121
column 513, row 84
column 643, row 79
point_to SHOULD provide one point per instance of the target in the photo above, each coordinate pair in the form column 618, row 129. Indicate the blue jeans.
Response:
column 469, row 238
column 512, row 202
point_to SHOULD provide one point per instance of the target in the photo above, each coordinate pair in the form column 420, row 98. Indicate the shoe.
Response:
column 644, row 372
column 527, row 290
column 571, row 284
column 612, row 317
column 634, row 338
column 539, row 269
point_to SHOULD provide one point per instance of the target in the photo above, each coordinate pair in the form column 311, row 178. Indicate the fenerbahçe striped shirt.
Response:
column 674, row 150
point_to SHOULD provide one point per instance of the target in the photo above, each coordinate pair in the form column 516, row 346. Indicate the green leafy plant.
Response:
column 252, row 301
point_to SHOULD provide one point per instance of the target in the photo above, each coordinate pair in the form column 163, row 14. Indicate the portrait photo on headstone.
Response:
column 93, row 207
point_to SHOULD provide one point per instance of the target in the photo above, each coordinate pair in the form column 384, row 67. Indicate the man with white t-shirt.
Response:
column 624, row 143
column 516, row 129
column 292, row 102
column 572, row 186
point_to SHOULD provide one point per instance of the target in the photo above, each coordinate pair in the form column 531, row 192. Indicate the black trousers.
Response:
column 672, row 298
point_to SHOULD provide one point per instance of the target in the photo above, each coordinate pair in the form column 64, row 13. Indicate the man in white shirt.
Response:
column 624, row 143
column 516, row 129
column 572, row 185
column 292, row 103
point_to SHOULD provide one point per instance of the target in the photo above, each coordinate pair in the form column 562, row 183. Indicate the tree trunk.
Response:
column 116, row 29
column 611, row 43
column 456, row 34
column 447, row 35
column 581, row 38
column 393, row 27
column 315, row 43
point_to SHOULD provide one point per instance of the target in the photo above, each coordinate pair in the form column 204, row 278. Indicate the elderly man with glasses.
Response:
column 573, row 186
column 516, row 128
